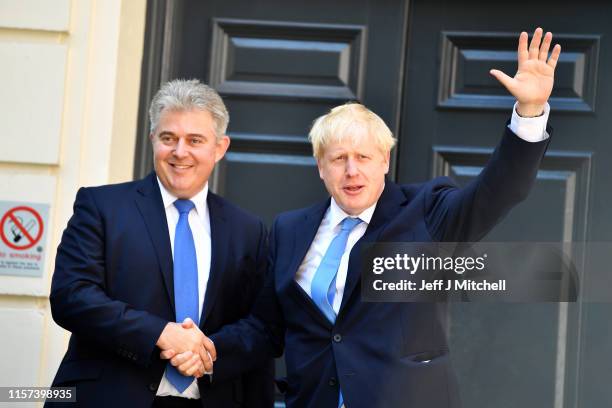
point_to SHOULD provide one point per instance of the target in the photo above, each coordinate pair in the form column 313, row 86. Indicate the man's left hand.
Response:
column 533, row 82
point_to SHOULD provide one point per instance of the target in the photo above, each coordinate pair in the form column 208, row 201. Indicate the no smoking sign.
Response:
column 22, row 238
column 22, row 228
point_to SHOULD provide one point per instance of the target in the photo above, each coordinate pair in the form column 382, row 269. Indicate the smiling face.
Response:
column 185, row 150
column 353, row 169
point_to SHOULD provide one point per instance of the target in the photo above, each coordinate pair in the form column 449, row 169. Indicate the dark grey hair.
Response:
column 184, row 95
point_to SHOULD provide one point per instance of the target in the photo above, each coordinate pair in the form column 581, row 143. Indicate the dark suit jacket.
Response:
column 113, row 289
column 380, row 354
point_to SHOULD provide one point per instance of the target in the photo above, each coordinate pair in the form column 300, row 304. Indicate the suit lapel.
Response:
column 305, row 232
column 219, row 243
column 387, row 208
column 151, row 207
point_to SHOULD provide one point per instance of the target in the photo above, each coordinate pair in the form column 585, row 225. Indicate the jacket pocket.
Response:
column 78, row 370
column 426, row 357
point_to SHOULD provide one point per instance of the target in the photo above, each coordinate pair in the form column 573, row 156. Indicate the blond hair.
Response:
column 337, row 123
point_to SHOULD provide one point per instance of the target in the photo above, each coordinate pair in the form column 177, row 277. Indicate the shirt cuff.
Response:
column 530, row 129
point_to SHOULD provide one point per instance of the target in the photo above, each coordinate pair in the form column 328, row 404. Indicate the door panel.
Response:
column 278, row 66
column 453, row 114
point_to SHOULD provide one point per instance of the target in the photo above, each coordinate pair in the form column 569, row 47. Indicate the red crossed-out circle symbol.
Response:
column 18, row 227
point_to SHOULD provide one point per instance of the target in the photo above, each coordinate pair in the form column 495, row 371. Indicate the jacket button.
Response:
column 332, row 382
column 337, row 338
column 153, row 387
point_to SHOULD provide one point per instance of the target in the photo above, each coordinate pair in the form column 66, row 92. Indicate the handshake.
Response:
column 187, row 348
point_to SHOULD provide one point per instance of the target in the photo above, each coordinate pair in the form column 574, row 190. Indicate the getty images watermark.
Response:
column 485, row 271
column 421, row 263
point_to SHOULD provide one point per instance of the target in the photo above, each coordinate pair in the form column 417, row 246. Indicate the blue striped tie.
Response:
column 185, row 283
column 323, row 287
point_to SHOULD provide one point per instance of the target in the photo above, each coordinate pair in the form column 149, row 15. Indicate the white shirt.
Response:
column 199, row 222
column 329, row 228
column 529, row 129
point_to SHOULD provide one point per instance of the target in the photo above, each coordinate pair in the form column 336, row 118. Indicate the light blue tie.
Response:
column 185, row 283
column 323, row 287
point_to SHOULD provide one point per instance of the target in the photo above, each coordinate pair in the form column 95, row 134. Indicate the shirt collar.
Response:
column 199, row 200
column 337, row 214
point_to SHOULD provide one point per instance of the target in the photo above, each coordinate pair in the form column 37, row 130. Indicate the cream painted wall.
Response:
column 71, row 71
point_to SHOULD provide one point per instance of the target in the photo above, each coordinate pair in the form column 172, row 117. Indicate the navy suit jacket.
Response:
column 113, row 289
column 379, row 354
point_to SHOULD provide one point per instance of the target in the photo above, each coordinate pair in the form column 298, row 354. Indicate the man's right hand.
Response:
column 177, row 339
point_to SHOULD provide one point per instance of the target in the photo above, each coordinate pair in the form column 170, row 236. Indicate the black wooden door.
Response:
column 518, row 355
column 279, row 65
column 423, row 67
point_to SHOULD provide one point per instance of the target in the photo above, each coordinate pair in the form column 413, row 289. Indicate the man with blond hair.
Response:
column 340, row 350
